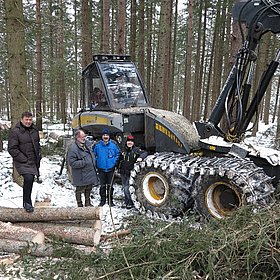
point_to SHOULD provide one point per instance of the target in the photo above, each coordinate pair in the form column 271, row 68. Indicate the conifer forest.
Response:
column 184, row 51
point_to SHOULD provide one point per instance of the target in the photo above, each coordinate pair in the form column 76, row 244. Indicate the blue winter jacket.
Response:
column 107, row 155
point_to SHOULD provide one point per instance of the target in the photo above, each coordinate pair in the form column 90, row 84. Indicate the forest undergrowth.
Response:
column 244, row 246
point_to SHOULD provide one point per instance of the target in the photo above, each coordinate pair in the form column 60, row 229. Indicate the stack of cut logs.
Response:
column 29, row 231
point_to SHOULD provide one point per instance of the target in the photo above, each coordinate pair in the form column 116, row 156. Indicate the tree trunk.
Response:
column 71, row 234
column 16, row 59
column 277, row 108
column 9, row 231
column 9, row 259
column 172, row 96
column 199, row 63
column 17, row 178
column 113, row 27
column 141, row 39
column 267, row 98
column 160, row 98
column 218, row 41
column 39, row 80
column 76, row 93
column 149, row 58
column 51, row 61
column 50, row 214
column 38, row 250
column 105, row 45
column 86, row 33
column 121, row 27
column 1, row 141
column 116, row 234
column 188, row 71
column 61, row 69
column 133, row 24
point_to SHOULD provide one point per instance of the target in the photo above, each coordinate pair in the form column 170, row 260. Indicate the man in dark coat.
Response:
column 82, row 162
column 24, row 147
column 129, row 156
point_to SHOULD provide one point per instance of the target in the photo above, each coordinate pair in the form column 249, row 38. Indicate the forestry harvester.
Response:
column 203, row 166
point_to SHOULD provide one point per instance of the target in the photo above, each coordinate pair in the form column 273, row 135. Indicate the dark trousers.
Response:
column 27, row 187
column 86, row 190
column 125, row 185
column 106, row 186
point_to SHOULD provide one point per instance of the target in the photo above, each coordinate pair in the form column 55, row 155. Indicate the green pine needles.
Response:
column 245, row 246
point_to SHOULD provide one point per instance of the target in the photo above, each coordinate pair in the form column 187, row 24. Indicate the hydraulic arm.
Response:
column 260, row 17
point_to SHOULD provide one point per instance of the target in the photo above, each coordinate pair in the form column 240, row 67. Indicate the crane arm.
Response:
column 260, row 17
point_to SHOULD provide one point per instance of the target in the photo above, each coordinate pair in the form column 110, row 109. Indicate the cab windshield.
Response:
column 122, row 85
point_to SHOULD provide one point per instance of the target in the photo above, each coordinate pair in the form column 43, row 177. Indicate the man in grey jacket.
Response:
column 81, row 159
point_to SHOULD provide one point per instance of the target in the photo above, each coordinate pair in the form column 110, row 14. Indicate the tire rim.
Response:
column 222, row 199
column 155, row 188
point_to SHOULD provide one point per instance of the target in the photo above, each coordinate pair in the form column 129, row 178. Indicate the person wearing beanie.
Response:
column 107, row 154
column 81, row 159
column 129, row 156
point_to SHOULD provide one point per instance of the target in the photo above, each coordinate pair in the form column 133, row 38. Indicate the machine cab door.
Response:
column 112, row 82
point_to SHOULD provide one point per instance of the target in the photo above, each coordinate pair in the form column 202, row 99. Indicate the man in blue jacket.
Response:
column 107, row 154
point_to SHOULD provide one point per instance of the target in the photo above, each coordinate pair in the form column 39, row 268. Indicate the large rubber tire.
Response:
column 228, row 185
column 166, row 184
column 159, row 190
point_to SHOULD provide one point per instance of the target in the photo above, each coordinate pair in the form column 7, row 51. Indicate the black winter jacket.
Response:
column 24, row 147
column 129, row 157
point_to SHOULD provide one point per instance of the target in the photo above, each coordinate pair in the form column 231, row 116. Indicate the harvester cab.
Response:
column 112, row 82
column 114, row 96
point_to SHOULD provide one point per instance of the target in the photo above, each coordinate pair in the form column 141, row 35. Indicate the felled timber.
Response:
column 8, row 259
column 81, row 223
column 55, row 136
column 14, row 246
column 9, row 231
column 89, row 236
column 50, row 214
column 115, row 234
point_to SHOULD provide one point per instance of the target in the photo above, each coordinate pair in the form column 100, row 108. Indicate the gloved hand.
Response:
column 139, row 159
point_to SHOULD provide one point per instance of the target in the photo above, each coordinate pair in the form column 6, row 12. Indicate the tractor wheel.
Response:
column 227, row 188
column 160, row 192
column 217, row 197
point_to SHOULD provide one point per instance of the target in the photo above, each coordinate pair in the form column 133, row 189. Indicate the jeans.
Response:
column 127, row 195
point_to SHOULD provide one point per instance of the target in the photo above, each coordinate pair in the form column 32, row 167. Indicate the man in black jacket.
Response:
column 130, row 155
column 24, row 147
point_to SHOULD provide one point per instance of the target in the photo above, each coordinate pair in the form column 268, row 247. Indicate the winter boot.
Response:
column 79, row 197
column 102, row 192
column 28, row 207
column 110, row 191
column 87, row 197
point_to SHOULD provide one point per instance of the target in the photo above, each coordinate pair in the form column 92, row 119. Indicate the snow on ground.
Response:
column 58, row 189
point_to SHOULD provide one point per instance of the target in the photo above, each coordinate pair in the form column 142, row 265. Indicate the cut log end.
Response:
column 9, row 259
column 39, row 238
column 9, row 231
